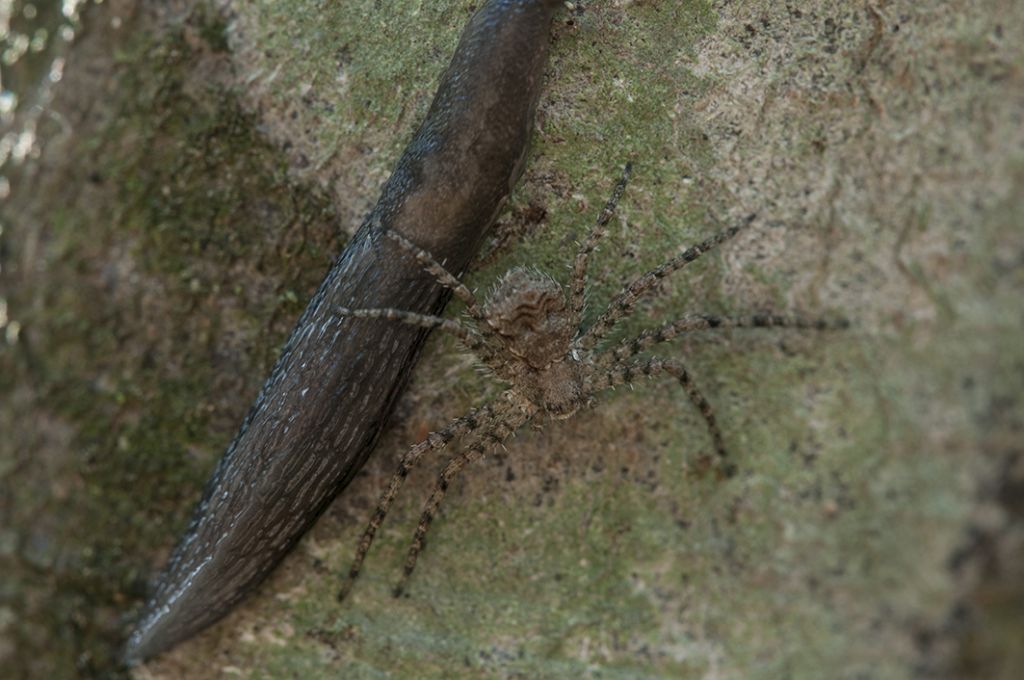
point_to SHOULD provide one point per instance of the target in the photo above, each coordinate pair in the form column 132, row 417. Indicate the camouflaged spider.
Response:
column 528, row 333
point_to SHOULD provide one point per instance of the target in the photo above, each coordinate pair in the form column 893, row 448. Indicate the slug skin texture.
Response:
column 320, row 412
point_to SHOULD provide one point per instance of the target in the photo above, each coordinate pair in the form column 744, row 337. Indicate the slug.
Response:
column 322, row 409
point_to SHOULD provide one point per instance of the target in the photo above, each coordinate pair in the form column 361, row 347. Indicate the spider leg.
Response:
column 461, row 426
column 702, row 322
column 678, row 371
column 597, row 232
column 622, row 305
column 624, row 373
column 412, row 318
column 471, row 339
column 443, row 276
column 494, row 436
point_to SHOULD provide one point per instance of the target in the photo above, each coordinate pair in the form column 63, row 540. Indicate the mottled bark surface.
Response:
column 156, row 257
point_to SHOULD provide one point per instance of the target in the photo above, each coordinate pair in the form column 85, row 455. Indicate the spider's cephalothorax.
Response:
column 528, row 333
column 530, row 316
column 529, row 312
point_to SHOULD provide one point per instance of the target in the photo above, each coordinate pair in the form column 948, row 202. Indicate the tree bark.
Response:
column 200, row 168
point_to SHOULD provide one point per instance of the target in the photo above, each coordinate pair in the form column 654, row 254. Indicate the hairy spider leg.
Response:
column 678, row 371
column 458, row 427
column 448, row 280
column 494, row 436
column 469, row 337
column 597, row 232
column 624, row 303
column 437, row 270
column 625, row 373
column 703, row 322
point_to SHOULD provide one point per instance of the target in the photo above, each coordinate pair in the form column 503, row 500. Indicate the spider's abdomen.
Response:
column 528, row 310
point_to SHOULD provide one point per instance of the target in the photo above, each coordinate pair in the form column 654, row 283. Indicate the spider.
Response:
column 528, row 334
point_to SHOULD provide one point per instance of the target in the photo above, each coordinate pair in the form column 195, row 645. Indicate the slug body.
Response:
column 323, row 407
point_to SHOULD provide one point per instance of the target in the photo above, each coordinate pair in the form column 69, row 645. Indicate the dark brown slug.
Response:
column 322, row 409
